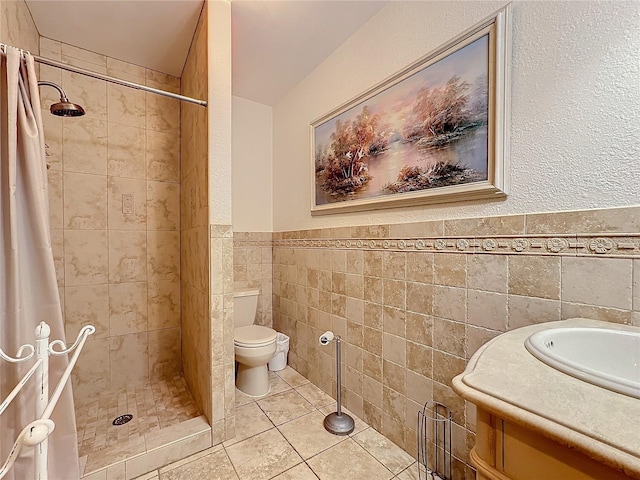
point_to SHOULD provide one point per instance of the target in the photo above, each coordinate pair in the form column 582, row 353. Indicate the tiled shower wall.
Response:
column 194, row 201
column 415, row 301
column 252, row 268
column 114, row 187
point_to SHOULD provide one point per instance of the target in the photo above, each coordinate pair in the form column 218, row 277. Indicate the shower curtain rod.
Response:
column 107, row 78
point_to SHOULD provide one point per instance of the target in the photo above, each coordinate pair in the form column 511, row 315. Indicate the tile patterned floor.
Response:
column 154, row 406
column 281, row 437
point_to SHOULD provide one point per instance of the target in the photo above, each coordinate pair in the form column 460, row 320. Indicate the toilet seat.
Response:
column 254, row 336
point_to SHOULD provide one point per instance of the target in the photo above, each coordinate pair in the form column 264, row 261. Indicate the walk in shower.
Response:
column 121, row 222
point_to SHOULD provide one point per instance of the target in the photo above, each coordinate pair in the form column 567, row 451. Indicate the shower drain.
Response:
column 122, row 419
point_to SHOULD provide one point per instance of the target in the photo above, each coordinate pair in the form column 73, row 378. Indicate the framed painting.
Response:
column 435, row 132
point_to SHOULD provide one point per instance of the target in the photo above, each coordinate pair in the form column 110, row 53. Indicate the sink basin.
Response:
column 604, row 357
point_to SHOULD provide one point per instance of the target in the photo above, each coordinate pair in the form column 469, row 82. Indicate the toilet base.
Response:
column 252, row 381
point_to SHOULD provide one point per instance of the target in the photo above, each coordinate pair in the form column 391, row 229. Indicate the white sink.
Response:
column 604, row 357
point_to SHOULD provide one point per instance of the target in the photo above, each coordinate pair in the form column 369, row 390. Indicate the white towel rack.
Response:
column 37, row 432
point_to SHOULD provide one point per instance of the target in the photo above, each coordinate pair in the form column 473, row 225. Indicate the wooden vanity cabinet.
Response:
column 507, row 451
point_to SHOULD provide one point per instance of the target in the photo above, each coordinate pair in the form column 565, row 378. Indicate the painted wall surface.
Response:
column 219, row 110
column 252, row 153
column 574, row 129
column 117, row 260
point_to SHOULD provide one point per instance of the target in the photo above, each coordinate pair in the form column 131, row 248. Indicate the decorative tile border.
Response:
column 619, row 246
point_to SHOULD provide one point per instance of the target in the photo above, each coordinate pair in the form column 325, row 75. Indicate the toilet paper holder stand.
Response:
column 338, row 422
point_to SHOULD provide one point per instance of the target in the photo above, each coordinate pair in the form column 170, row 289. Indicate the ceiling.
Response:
column 275, row 43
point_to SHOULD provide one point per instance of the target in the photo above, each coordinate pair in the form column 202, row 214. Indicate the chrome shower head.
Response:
column 64, row 108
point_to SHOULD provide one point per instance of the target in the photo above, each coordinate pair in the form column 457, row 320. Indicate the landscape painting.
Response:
column 421, row 133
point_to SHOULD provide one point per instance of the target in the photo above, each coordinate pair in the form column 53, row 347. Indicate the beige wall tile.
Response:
column 91, row 374
column 487, row 272
column 372, row 341
column 86, row 305
column 372, row 391
column 57, row 245
column 127, row 256
column 163, row 304
column 56, row 206
column 475, row 337
column 636, row 285
column 85, row 146
column 118, row 188
column 355, row 262
column 85, row 201
column 420, row 359
column 450, row 269
column 125, row 106
column 394, row 293
column 420, row 267
column 625, row 220
column 52, row 132
column 446, row 366
column 419, row 328
column 162, row 114
column 129, row 360
column 597, row 281
column 89, row 92
column 162, row 78
column 128, row 308
column 393, row 376
column 420, row 229
column 503, row 225
column 126, row 151
column 487, row 309
column 163, row 156
column 534, row 276
column 605, row 314
column 525, row 311
column 394, row 349
column 164, row 353
column 394, row 321
column 420, row 298
column 394, row 265
column 419, row 387
column 373, row 263
column 85, row 257
column 163, row 206
column 82, row 54
column 450, row 303
column 116, row 67
column 448, row 336
column 354, row 286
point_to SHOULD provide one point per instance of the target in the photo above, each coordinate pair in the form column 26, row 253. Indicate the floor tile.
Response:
column 315, row 396
column 215, row 465
column 277, row 384
column 242, row 399
column 384, row 450
column 263, row 456
column 308, row 436
column 250, row 421
column 348, row 460
column 292, row 377
column 411, row 473
column 299, row 472
column 284, row 407
column 190, row 458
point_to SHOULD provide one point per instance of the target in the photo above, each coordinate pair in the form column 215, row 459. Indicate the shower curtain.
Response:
column 28, row 287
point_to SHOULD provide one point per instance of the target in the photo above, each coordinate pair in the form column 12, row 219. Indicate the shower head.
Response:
column 64, row 108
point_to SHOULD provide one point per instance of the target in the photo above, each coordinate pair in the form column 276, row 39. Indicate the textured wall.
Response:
column 413, row 302
column 117, row 271
column 252, row 164
column 575, row 83
column 196, row 325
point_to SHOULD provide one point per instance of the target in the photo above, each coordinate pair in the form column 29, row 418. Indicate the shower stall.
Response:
column 129, row 213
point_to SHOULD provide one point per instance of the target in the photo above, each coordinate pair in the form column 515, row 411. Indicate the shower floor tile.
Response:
column 154, row 406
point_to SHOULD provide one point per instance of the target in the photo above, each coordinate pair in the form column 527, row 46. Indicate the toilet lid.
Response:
column 254, row 335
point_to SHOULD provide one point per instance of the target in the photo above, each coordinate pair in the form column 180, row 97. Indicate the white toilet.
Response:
column 254, row 345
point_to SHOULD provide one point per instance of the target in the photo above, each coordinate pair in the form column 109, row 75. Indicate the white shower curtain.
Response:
column 28, row 288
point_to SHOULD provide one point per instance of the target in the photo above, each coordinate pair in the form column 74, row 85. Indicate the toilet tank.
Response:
column 245, row 305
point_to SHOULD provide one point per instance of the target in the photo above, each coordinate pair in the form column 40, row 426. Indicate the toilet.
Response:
column 254, row 345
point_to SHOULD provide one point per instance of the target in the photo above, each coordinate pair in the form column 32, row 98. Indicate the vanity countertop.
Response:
column 505, row 379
